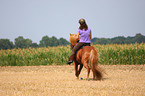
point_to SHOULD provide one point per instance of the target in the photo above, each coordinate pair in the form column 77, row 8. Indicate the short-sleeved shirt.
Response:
column 85, row 35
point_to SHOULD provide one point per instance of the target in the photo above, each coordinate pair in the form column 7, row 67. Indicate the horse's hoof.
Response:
column 80, row 78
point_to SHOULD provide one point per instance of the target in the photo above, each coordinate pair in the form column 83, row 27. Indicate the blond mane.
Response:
column 73, row 39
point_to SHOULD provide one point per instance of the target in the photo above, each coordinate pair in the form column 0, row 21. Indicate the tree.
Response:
column 139, row 38
column 118, row 40
column 102, row 41
column 6, row 44
column 20, row 42
column 53, row 41
column 62, row 41
column 34, row 45
column 45, row 41
column 128, row 40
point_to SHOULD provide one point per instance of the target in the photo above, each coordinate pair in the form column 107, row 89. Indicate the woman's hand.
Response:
column 78, row 37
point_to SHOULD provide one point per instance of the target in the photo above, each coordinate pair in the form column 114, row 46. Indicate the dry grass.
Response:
column 120, row 80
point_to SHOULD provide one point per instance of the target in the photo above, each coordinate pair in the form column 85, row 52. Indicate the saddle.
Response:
column 86, row 44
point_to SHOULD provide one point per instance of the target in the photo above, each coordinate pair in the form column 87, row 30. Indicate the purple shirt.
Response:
column 84, row 35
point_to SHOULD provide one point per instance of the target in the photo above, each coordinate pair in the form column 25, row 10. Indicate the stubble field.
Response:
column 119, row 80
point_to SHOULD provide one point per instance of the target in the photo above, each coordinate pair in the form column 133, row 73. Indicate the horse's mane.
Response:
column 73, row 39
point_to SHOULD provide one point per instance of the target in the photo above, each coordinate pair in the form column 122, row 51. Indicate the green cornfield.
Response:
column 108, row 54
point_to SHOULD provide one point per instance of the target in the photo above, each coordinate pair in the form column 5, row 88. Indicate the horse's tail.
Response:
column 93, row 63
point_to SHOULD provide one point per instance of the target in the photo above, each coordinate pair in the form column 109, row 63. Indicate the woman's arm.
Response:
column 90, row 35
column 78, row 35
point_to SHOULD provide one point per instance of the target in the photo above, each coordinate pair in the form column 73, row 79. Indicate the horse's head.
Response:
column 73, row 39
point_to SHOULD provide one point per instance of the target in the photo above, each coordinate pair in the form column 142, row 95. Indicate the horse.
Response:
column 87, row 56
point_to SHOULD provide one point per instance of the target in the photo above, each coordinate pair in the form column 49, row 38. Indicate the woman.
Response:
column 85, row 39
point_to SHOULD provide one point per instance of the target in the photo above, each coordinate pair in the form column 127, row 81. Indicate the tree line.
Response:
column 138, row 38
column 46, row 41
column 20, row 42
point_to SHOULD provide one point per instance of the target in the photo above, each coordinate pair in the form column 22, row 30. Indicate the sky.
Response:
column 34, row 19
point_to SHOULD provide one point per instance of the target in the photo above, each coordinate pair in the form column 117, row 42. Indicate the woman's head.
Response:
column 83, row 24
column 82, row 21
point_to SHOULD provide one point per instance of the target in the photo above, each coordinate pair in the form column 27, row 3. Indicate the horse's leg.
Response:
column 88, row 69
column 81, row 66
column 94, row 76
column 76, row 70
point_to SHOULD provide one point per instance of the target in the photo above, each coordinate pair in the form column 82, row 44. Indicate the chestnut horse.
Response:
column 87, row 56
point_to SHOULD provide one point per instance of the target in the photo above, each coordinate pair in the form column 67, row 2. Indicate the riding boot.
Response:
column 74, row 50
column 71, row 58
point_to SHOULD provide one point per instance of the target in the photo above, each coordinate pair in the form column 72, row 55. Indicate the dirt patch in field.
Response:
column 119, row 80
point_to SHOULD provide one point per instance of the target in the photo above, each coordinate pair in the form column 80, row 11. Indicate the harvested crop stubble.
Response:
column 119, row 80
